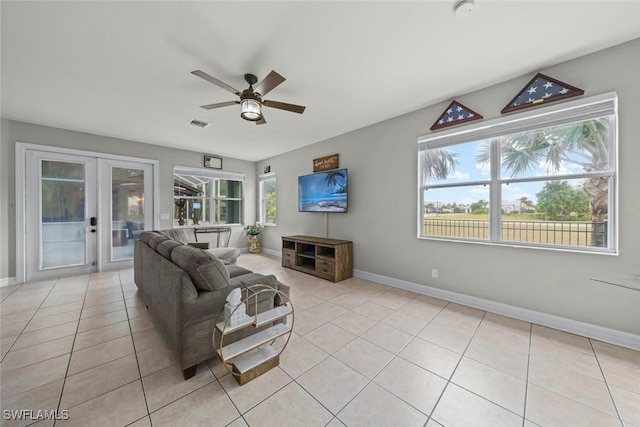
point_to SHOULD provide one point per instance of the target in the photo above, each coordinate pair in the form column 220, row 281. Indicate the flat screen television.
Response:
column 323, row 191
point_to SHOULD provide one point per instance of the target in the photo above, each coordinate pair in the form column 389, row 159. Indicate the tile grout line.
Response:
column 455, row 369
column 606, row 383
column 71, row 354
column 372, row 380
column 292, row 380
column 526, row 380
column 135, row 352
column 396, row 355
column 576, row 401
column 30, row 319
column 75, row 335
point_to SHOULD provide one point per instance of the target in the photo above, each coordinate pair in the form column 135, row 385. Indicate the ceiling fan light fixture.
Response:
column 250, row 110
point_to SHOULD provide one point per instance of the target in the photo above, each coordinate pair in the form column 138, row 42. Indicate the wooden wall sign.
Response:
column 326, row 163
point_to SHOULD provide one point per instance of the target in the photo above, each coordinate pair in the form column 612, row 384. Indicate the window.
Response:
column 543, row 178
column 268, row 199
column 203, row 197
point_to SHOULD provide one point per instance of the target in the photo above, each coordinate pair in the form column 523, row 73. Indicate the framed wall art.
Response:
column 212, row 162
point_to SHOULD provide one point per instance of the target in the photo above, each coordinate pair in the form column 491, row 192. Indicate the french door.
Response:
column 83, row 213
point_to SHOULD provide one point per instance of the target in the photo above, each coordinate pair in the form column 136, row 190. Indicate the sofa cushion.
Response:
column 165, row 248
column 207, row 272
column 235, row 270
column 146, row 235
column 177, row 234
column 258, row 279
column 155, row 240
column 226, row 254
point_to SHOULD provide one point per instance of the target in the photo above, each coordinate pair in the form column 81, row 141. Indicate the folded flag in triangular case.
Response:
column 541, row 90
column 455, row 114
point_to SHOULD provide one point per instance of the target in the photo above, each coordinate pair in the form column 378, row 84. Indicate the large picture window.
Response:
column 545, row 178
column 268, row 199
column 203, row 197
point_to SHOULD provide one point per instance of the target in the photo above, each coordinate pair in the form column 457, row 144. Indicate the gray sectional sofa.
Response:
column 185, row 289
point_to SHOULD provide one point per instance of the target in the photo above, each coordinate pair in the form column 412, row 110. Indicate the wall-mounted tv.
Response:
column 323, row 191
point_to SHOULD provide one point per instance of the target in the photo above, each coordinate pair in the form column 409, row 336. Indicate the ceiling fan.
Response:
column 251, row 101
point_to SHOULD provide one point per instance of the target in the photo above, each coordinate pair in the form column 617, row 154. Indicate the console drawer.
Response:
column 288, row 258
column 325, row 267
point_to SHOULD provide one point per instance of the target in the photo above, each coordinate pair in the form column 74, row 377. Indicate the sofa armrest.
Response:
column 200, row 245
column 164, row 296
column 285, row 289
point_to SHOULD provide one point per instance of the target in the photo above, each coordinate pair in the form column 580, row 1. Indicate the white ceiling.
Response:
column 122, row 69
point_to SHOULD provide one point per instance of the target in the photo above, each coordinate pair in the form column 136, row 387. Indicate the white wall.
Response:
column 13, row 131
column 382, row 163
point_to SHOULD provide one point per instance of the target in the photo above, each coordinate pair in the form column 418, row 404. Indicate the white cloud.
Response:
column 484, row 169
column 479, row 190
column 460, row 175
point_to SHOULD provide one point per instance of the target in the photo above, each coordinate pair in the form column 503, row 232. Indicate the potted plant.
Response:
column 252, row 231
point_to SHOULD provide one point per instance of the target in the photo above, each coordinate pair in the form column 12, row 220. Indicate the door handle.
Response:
column 93, row 221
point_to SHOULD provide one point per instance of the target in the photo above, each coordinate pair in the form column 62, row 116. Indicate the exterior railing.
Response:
column 561, row 233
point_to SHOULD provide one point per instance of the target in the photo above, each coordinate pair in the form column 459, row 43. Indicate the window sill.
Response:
column 593, row 251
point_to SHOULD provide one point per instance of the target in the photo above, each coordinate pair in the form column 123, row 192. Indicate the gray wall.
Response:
column 383, row 201
column 382, row 163
column 13, row 132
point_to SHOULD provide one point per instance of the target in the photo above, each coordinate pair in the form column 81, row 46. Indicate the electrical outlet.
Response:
column 434, row 273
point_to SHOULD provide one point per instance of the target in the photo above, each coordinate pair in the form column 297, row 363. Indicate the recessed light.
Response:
column 463, row 7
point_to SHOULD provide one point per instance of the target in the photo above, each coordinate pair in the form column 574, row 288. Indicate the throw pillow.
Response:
column 207, row 272
column 165, row 248
column 177, row 234
column 155, row 240
column 146, row 235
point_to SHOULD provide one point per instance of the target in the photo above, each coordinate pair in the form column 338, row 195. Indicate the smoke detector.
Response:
column 463, row 7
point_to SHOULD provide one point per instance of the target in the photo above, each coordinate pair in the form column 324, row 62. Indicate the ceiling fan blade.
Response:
column 272, row 80
column 215, row 81
column 261, row 121
column 284, row 106
column 219, row 104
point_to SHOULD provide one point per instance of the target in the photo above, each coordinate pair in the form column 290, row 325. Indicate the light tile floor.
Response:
column 361, row 354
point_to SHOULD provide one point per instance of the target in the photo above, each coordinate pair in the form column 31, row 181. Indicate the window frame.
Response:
column 262, row 198
column 214, row 198
column 544, row 117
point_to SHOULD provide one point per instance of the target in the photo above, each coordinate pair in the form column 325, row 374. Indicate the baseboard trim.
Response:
column 272, row 252
column 611, row 336
column 7, row 281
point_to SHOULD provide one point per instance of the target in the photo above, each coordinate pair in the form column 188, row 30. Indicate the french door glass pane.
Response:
column 63, row 214
column 127, row 210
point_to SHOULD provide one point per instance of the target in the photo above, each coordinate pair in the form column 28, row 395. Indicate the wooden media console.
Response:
column 329, row 259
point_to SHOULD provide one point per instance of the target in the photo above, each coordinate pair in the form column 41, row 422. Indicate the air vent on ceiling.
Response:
column 198, row 123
